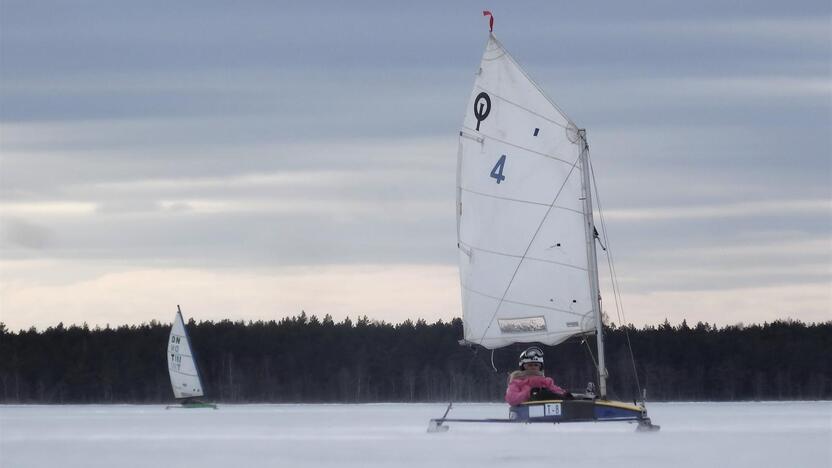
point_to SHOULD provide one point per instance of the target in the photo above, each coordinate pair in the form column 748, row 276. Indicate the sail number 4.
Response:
column 497, row 172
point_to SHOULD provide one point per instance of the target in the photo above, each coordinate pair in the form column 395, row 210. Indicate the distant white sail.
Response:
column 184, row 376
column 520, row 212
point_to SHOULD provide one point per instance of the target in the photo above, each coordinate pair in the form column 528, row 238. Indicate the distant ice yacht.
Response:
column 182, row 368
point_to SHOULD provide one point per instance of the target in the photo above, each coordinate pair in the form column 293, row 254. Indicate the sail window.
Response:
column 522, row 325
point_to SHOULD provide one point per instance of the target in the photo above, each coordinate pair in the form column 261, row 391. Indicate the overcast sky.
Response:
column 249, row 160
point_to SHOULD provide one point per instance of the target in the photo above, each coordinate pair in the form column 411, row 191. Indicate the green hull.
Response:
column 192, row 405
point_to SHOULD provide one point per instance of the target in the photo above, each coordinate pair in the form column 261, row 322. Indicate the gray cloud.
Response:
column 21, row 234
column 206, row 136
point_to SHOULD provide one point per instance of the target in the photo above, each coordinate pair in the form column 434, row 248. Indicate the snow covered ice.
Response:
column 775, row 434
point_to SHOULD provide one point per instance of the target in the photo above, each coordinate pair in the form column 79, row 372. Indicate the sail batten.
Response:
column 550, row 156
column 521, row 212
column 520, row 201
column 508, row 101
column 508, row 301
column 527, row 258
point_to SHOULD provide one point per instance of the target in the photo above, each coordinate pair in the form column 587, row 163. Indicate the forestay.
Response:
column 184, row 376
column 520, row 212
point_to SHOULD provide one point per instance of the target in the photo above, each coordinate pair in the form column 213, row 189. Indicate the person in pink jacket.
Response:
column 530, row 379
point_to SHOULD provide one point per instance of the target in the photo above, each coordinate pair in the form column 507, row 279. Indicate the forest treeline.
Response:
column 306, row 359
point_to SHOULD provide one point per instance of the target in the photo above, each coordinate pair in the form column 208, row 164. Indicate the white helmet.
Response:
column 533, row 354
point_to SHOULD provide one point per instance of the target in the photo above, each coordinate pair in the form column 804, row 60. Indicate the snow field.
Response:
column 696, row 435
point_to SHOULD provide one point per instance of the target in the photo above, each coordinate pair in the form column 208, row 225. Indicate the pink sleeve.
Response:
column 545, row 382
column 517, row 392
column 550, row 384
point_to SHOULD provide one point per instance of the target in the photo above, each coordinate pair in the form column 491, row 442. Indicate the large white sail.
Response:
column 184, row 376
column 520, row 212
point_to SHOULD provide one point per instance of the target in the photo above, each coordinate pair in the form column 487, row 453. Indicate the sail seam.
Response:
column 523, row 71
column 555, row 309
column 547, row 205
column 564, row 334
column 506, row 254
column 493, row 94
column 520, row 147
column 487, row 59
column 471, row 136
column 531, row 241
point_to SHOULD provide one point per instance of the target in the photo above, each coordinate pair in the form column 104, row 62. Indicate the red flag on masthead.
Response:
column 490, row 20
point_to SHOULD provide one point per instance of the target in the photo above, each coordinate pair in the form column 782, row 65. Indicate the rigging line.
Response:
column 616, row 287
column 591, row 356
column 614, row 280
column 618, row 305
column 528, row 247
column 517, row 200
column 599, row 241
column 465, row 370
column 539, row 153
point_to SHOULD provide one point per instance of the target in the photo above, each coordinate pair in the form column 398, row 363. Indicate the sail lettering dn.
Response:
column 520, row 212
column 184, row 376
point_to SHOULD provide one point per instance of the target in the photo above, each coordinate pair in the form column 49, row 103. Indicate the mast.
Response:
column 592, row 263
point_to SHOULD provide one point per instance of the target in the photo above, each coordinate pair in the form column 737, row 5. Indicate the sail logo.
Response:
column 482, row 107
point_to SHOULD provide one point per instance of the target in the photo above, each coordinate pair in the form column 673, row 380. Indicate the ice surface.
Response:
column 700, row 435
